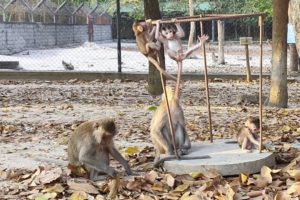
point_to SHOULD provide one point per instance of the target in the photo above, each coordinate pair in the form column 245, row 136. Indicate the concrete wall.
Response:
column 16, row 37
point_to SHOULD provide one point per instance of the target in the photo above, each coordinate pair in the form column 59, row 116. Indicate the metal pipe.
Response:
column 118, row 20
column 261, row 28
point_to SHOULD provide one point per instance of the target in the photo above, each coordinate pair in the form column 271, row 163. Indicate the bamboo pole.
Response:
column 209, row 18
column 261, row 26
column 206, row 85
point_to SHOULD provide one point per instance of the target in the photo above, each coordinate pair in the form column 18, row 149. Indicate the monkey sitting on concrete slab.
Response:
column 161, row 134
column 247, row 136
column 91, row 144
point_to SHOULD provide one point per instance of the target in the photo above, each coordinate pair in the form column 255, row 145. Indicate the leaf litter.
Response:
column 44, row 113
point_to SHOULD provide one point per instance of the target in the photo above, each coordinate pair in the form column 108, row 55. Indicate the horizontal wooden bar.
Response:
column 209, row 18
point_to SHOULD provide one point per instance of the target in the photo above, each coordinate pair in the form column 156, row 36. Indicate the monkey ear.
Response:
column 140, row 28
column 96, row 125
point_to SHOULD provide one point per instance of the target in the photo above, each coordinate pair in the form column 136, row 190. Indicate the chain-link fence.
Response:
column 42, row 37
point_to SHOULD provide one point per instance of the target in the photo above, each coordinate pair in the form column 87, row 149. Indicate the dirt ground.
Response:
column 38, row 116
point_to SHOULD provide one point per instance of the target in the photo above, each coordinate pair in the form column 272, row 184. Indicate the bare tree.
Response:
column 151, row 10
column 295, row 18
column 192, row 28
column 279, row 92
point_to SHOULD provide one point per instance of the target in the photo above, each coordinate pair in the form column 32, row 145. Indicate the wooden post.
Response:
column 206, row 85
column 221, row 59
column 248, row 64
column 293, row 58
column 246, row 41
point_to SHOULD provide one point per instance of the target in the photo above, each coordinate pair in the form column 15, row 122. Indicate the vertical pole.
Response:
column 169, row 115
column 118, row 20
column 206, row 84
column 261, row 28
column 248, row 64
column 213, row 30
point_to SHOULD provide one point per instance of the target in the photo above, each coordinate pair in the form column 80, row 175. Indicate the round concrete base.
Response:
column 225, row 157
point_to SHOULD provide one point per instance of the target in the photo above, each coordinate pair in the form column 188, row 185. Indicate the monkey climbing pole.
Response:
column 210, row 17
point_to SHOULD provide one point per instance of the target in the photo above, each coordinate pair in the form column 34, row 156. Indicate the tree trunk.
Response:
column 278, row 91
column 221, row 59
column 151, row 10
column 293, row 58
column 295, row 19
column 192, row 28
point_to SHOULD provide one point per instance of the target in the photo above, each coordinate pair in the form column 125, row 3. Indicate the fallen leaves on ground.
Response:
column 26, row 117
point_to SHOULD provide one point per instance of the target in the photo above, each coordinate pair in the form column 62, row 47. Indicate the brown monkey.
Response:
column 144, row 35
column 160, row 130
column 247, row 136
column 90, row 146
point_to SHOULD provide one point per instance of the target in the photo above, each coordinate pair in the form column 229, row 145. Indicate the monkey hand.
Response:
column 203, row 38
column 129, row 172
column 158, row 22
column 112, row 172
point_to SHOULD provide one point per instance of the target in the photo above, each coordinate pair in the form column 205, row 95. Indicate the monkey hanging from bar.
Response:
column 161, row 134
column 144, row 35
column 172, row 38
column 247, row 136
column 91, row 144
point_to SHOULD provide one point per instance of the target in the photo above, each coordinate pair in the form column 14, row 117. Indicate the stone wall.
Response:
column 16, row 37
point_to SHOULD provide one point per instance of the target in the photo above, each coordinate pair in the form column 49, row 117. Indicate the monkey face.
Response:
column 168, row 34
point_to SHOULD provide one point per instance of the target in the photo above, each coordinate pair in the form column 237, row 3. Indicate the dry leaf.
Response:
column 46, row 196
column 253, row 194
column 282, row 196
column 170, row 180
column 266, row 173
column 49, row 176
column 145, row 197
column 196, row 175
column 158, row 187
column 84, row 187
column 134, row 185
column 57, row 188
column 185, row 195
column 244, row 178
column 261, row 182
column 151, row 176
column 295, row 188
column 79, row 195
column 295, row 174
column 113, row 188
column 131, row 150
column 181, row 188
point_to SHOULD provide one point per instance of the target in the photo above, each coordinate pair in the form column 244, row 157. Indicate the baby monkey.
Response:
column 91, row 144
column 172, row 38
column 247, row 136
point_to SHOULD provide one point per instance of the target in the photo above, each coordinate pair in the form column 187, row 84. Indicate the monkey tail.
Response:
column 156, row 64
column 173, row 157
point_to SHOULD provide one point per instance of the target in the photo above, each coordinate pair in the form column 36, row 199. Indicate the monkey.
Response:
column 160, row 130
column 172, row 37
column 91, row 144
column 144, row 39
column 247, row 136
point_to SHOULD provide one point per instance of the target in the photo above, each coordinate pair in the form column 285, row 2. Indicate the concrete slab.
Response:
column 227, row 158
